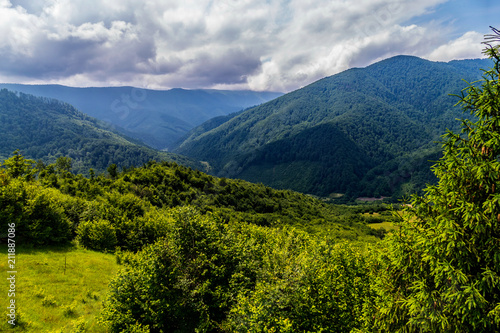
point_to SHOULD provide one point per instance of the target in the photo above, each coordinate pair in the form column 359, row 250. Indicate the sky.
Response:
column 262, row 45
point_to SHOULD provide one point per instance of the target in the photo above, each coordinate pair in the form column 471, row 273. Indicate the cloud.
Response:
column 465, row 47
column 235, row 44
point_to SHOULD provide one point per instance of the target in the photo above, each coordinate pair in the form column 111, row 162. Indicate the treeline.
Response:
column 127, row 207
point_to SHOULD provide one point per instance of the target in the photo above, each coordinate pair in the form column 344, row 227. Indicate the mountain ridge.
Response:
column 45, row 129
column 392, row 108
column 156, row 117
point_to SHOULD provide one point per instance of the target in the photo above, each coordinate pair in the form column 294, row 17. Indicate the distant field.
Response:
column 56, row 289
column 383, row 225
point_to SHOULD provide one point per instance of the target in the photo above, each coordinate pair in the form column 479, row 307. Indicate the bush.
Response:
column 319, row 288
column 37, row 213
column 97, row 235
column 266, row 279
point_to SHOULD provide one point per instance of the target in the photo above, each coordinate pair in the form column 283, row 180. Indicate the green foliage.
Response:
column 441, row 270
column 132, row 209
column 311, row 288
column 17, row 166
column 35, row 211
column 97, row 235
column 113, row 171
column 63, row 165
column 207, row 276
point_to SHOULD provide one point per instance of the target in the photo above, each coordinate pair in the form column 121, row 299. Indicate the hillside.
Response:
column 45, row 129
column 226, row 235
column 156, row 117
column 136, row 201
column 366, row 131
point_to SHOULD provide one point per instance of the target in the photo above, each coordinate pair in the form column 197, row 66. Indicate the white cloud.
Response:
column 466, row 46
column 257, row 44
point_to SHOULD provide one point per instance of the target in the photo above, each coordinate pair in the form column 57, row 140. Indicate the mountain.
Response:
column 43, row 128
column 366, row 131
column 156, row 117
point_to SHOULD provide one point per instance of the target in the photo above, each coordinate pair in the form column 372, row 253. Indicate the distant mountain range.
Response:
column 366, row 131
column 363, row 132
column 44, row 129
column 155, row 117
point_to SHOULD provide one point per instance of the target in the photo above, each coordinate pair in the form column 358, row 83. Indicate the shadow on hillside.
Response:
column 31, row 249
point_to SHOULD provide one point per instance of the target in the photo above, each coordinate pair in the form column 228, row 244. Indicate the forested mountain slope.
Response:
column 365, row 131
column 45, row 129
column 156, row 117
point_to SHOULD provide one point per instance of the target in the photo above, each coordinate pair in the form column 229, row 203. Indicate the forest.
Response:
column 199, row 253
column 362, row 132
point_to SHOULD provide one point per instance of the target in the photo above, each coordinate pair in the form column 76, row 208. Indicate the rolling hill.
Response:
column 366, row 131
column 156, row 117
column 43, row 128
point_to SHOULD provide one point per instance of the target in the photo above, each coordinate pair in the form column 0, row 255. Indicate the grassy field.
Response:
column 383, row 225
column 387, row 225
column 57, row 289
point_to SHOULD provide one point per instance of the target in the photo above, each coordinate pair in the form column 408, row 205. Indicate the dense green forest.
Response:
column 363, row 132
column 45, row 129
column 134, row 198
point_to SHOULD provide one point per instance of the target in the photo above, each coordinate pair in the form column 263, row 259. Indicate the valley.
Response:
column 178, row 243
column 365, row 132
column 158, row 118
column 229, row 166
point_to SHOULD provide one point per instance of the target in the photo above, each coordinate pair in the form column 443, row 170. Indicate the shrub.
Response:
column 97, row 235
column 266, row 279
column 36, row 211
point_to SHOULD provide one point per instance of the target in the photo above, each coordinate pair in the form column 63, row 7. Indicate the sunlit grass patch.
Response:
column 58, row 289
column 382, row 225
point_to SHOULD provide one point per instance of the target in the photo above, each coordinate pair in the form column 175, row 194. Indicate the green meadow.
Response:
column 57, row 289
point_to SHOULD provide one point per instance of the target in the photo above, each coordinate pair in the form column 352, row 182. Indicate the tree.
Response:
column 63, row 165
column 113, row 171
column 17, row 166
column 441, row 272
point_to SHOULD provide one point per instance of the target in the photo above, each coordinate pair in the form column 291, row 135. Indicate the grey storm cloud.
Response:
column 233, row 44
column 229, row 67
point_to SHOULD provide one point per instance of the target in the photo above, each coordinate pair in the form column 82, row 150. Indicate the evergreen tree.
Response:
column 441, row 272
column 63, row 165
column 113, row 171
column 17, row 166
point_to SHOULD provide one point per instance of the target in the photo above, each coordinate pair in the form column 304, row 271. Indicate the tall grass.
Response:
column 58, row 289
